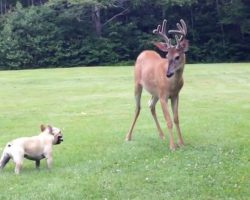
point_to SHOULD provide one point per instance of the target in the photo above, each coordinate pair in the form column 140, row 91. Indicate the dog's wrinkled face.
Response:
column 56, row 132
column 57, row 135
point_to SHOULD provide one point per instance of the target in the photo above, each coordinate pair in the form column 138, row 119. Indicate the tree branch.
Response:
column 115, row 16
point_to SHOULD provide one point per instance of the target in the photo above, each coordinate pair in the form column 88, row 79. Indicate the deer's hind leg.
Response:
column 152, row 102
column 138, row 91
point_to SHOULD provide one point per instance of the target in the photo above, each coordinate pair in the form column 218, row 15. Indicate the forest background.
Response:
column 65, row 33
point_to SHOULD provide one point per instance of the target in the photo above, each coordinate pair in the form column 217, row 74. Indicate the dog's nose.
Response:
column 61, row 138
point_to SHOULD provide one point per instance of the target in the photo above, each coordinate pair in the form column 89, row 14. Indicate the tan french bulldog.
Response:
column 33, row 148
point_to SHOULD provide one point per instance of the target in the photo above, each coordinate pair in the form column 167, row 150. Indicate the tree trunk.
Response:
column 192, row 21
column 1, row 7
column 96, row 17
column 5, row 7
column 221, row 25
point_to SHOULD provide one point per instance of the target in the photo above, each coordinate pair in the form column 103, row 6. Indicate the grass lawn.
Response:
column 94, row 108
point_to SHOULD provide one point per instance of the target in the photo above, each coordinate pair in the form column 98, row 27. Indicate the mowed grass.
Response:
column 94, row 108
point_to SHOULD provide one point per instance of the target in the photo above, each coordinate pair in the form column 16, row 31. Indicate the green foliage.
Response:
column 63, row 33
column 26, row 39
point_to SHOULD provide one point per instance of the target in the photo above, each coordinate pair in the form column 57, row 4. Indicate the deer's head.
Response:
column 175, row 53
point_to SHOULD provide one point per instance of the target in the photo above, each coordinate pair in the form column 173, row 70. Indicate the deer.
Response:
column 162, row 78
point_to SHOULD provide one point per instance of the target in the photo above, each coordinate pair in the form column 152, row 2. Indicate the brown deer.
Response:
column 162, row 78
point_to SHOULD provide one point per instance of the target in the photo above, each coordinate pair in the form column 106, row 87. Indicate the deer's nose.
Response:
column 169, row 75
column 170, row 70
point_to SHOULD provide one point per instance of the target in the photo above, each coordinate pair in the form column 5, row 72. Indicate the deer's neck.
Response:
column 178, row 73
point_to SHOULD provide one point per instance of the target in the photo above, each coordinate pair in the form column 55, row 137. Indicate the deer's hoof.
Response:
column 127, row 139
column 172, row 148
column 180, row 144
column 162, row 137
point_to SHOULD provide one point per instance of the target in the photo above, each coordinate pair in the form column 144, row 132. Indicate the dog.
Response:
column 33, row 148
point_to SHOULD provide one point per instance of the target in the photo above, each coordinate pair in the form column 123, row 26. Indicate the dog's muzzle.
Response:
column 59, row 139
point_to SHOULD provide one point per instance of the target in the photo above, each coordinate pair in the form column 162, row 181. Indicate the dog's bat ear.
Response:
column 42, row 127
column 50, row 128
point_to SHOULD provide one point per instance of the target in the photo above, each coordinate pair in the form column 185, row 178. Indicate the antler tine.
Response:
column 156, row 31
column 184, row 26
column 182, row 31
column 161, row 31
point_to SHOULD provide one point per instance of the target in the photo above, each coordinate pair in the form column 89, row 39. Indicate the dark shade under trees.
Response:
column 41, row 33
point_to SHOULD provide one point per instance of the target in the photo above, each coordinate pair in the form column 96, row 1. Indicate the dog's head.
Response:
column 56, row 132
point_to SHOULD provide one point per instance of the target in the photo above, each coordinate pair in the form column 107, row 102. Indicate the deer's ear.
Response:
column 42, row 127
column 162, row 46
column 184, row 45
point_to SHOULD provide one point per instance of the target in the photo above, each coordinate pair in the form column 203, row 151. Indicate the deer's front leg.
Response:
column 167, row 117
column 174, row 103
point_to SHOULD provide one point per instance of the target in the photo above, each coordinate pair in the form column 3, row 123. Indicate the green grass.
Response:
column 94, row 108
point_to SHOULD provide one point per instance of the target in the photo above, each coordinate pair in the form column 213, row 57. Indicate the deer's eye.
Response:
column 177, row 57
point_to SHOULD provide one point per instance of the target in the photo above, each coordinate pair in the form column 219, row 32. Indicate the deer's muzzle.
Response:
column 170, row 70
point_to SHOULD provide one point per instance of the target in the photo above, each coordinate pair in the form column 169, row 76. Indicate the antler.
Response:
column 182, row 32
column 161, row 31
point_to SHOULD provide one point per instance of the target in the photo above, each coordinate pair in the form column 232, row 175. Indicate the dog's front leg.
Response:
column 49, row 162
column 48, row 158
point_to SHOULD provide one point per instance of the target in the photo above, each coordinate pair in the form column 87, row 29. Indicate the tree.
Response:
column 99, row 6
column 97, row 32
